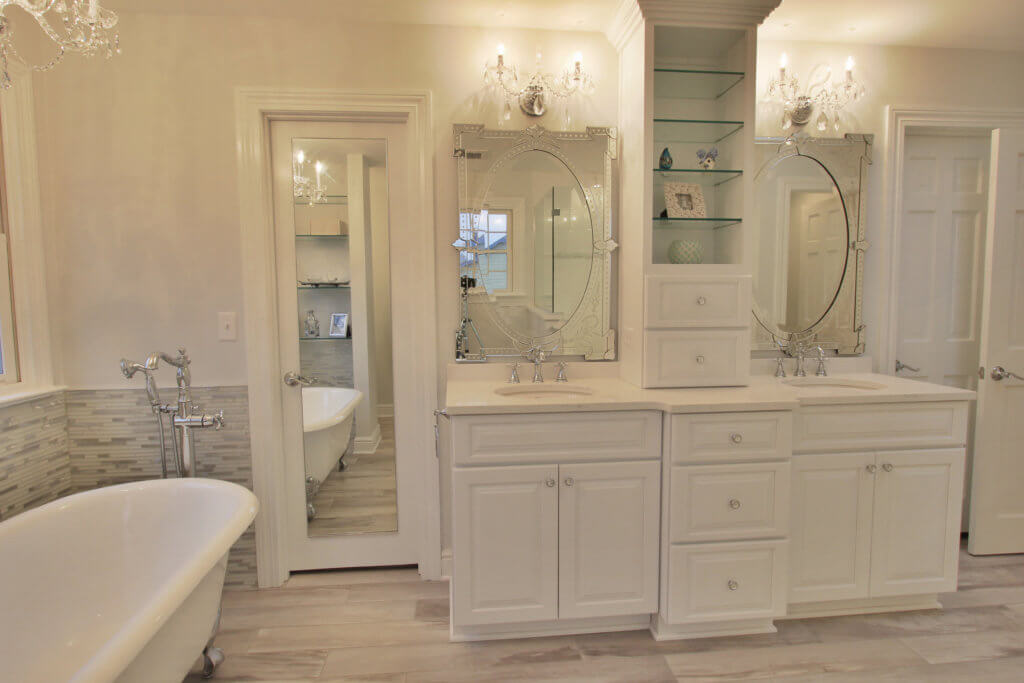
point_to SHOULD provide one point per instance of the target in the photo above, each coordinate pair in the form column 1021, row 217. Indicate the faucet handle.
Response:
column 218, row 420
column 514, row 377
column 561, row 372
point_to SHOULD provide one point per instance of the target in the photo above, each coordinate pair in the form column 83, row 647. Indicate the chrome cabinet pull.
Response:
column 733, row 584
column 887, row 467
column 736, row 437
column 999, row 373
column 734, row 504
column 550, row 483
column 569, row 481
column 701, row 301
column 872, row 468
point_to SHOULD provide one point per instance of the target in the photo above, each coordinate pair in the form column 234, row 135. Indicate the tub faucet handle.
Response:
column 293, row 379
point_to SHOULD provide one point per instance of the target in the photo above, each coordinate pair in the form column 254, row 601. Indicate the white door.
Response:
column 608, row 519
column 830, row 533
column 997, row 488
column 327, row 219
column 916, row 538
column 941, row 251
column 505, row 544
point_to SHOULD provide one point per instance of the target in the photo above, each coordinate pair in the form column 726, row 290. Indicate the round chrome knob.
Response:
column 701, row 301
column 569, row 481
column 550, row 483
column 700, row 360
column 734, row 504
column 872, row 468
column 736, row 438
column 733, row 584
column 887, row 467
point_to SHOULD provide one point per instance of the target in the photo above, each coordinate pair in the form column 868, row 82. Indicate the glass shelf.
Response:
column 323, row 237
column 332, row 200
column 325, row 339
column 694, row 84
column 715, row 177
column 693, row 130
column 694, row 223
column 324, row 286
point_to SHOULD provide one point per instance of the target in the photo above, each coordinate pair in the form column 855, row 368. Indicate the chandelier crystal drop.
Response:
column 532, row 92
column 78, row 26
column 823, row 95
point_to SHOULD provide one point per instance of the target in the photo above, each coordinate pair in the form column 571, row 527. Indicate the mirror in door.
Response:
column 340, row 198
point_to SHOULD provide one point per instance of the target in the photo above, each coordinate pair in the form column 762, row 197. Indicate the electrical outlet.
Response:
column 227, row 326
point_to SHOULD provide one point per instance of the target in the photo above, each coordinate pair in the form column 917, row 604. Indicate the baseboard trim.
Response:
column 661, row 630
column 447, row 563
column 561, row 627
column 842, row 608
column 385, row 410
column 367, row 445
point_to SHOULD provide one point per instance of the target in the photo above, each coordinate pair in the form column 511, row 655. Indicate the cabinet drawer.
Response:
column 729, row 502
column 724, row 581
column 705, row 358
column 672, row 302
column 562, row 437
column 725, row 437
column 858, row 427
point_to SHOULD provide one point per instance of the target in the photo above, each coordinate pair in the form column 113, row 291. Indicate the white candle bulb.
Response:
column 849, row 64
column 300, row 157
column 501, row 49
column 783, row 61
column 578, row 57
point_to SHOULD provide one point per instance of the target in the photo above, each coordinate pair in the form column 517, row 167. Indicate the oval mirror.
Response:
column 802, row 244
column 531, row 245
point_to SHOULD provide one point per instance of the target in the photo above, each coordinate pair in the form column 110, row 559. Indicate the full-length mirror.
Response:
column 534, row 242
column 809, row 241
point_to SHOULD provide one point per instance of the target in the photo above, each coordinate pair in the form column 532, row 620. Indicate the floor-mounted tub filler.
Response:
column 328, row 417
column 118, row 584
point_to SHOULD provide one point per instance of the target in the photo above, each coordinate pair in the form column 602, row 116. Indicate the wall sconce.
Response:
column 532, row 93
column 829, row 98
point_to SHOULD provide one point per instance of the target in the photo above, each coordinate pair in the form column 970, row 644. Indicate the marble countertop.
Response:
column 478, row 397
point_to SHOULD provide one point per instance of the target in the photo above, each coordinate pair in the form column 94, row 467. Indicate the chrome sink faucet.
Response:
column 537, row 356
column 821, row 371
column 799, row 370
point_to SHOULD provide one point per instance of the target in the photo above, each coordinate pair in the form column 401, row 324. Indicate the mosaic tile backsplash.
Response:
column 84, row 439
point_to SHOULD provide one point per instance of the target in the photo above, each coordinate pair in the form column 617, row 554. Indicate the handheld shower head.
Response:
column 129, row 368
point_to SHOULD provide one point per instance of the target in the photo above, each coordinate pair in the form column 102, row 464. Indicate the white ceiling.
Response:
column 970, row 24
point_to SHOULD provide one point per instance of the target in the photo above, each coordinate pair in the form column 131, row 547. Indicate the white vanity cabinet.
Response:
column 555, row 520
column 879, row 525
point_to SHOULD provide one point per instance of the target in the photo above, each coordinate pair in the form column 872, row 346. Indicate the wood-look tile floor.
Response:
column 387, row 625
column 363, row 499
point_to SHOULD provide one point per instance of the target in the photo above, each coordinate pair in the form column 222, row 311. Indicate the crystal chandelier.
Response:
column 532, row 93
column 822, row 94
column 304, row 187
column 80, row 26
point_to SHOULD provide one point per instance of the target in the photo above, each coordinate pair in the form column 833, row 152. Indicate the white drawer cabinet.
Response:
column 875, row 525
column 718, row 582
column 696, row 358
column 679, row 302
column 731, row 437
column 724, row 502
column 860, row 427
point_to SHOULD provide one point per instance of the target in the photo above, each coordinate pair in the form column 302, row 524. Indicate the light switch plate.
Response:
column 227, row 326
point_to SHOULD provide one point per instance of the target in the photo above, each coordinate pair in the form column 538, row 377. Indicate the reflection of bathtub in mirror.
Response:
column 328, row 414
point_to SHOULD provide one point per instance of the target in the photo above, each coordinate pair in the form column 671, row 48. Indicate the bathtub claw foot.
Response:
column 310, row 511
column 342, row 465
column 212, row 658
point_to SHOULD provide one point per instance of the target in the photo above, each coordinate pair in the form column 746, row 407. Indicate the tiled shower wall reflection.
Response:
column 84, row 439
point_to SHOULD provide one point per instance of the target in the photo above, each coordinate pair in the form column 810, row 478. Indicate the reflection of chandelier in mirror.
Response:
column 829, row 98
column 533, row 92
column 303, row 187
column 80, row 26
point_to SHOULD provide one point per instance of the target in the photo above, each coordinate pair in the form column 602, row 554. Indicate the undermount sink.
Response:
column 544, row 390
column 837, row 382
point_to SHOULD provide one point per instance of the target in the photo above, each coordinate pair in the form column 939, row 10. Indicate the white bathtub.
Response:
column 328, row 414
column 117, row 584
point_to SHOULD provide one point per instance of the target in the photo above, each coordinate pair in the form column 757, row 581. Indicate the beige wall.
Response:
column 139, row 176
column 902, row 77
column 381, row 289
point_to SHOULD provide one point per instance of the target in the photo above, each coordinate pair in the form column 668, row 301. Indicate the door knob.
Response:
column 1000, row 373
column 900, row 365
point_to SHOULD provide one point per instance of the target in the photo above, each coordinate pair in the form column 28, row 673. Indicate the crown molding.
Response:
column 738, row 14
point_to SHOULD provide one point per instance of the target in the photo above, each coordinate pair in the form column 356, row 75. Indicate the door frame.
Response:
column 413, row 302
column 897, row 120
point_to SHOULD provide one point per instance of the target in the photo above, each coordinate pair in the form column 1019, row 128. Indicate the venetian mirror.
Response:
column 809, row 241
column 534, row 242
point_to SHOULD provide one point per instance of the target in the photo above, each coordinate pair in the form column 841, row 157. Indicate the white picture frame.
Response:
column 685, row 200
column 339, row 325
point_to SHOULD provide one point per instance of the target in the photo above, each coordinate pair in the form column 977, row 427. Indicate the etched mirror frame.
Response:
column 841, row 327
column 588, row 332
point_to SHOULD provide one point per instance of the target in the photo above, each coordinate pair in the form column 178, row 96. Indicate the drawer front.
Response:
column 732, row 437
column 726, row 581
column 705, row 358
column 562, row 437
column 729, row 502
column 672, row 302
column 858, row 427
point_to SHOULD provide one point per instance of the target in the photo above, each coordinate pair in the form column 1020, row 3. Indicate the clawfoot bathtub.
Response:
column 117, row 584
column 328, row 417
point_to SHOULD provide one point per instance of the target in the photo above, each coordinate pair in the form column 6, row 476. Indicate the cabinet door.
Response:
column 505, row 544
column 608, row 552
column 830, row 527
column 916, row 538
